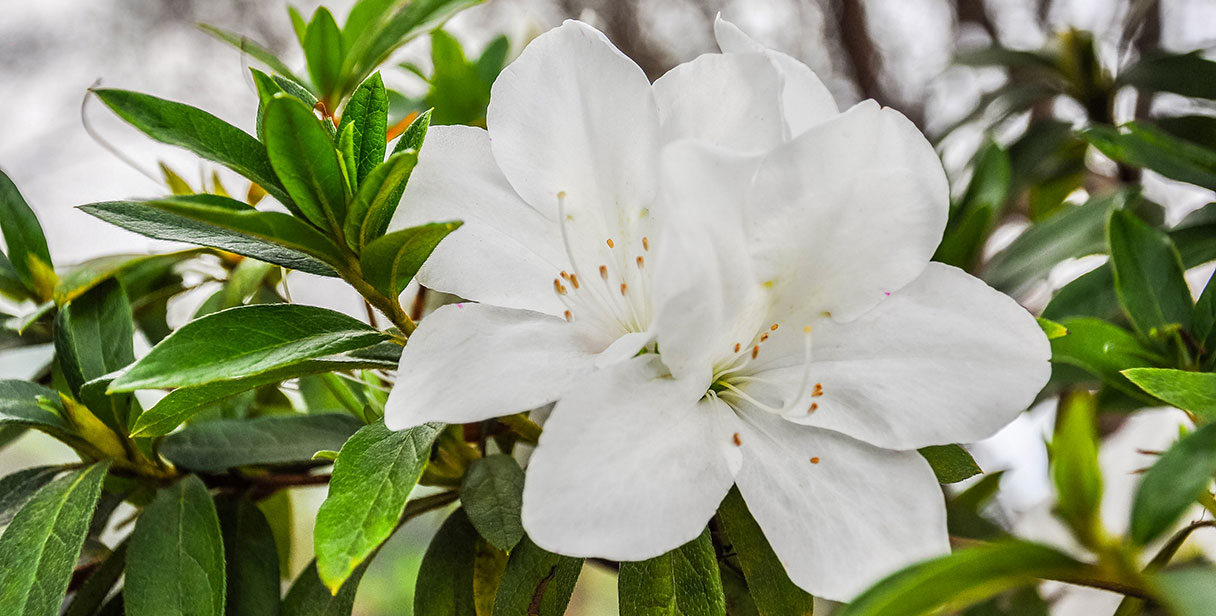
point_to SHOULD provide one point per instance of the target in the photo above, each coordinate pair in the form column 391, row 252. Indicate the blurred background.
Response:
column 923, row 57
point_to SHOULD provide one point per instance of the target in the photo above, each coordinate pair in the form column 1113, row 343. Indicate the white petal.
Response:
column 842, row 522
column 469, row 362
column 945, row 360
column 630, row 465
column 573, row 114
column 506, row 253
column 730, row 100
column 805, row 100
column 847, row 213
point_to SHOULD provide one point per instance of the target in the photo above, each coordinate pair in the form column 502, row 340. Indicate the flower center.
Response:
column 735, row 375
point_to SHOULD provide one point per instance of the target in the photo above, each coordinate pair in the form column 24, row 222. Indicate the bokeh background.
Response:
column 900, row 52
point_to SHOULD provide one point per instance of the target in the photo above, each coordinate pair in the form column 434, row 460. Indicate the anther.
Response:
column 604, row 272
column 738, row 441
column 558, row 286
column 737, row 347
column 814, row 407
column 645, row 243
column 755, row 351
column 624, row 288
column 565, row 275
column 815, row 460
column 569, row 316
column 610, row 244
column 764, row 337
column 773, row 327
column 818, row 391
column 574, row 280
column 641, row 262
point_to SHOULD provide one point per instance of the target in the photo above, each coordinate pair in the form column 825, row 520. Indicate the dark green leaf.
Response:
column 493, row 58
column 1075, row 232
column 1143, row 145
column 323, row 52
column 414, row 134
column 492, row 494
column 17, row 489
column 458, row 94
column 274, row 439
column 93, row 272
column 1187, row 74
column 771, row 588
column 229, row 225
column 1091, row 295
column 1198, row 129
column 1074, row 465
column 682, row 582
column 1188, row 592
column 445, row 578
column 1203, row 322
column 367, row 112
column 19, row 407
column 175, row 565
column 1173, row 483
column 971, row 220
column 1190, row 391
column 197, row 131
column 373, row 476
column 391, row 261
column 27, row 251
column 951, row 463
column 39, row 548
column 536, row 582
column 304, row 158
column 374, row 204
column 94, row 336
column 92, row 593
column 251, row 47
column 253, row 561
column 246, row 341
column 1149, row 278
column 1103, row 350
column 309, row 597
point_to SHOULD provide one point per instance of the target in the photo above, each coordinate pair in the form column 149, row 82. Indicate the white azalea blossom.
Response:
column 719, row 279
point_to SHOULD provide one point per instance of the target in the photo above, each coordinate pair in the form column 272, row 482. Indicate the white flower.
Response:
column 719, row 279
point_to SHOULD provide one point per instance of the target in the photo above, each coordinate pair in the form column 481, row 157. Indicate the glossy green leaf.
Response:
column 445, row 577
column 458, row 93
column 302, row 153
column 253, row 562
column 254, row 49
column 309, row 597
column 950, row 583
column 1187, row 74
column 19, row 407
column 1052, row 329
column 38, row 550
column 1173, row 483
column 229, row 225
column 1188, row 592
column 415, row 133
column 17, row 489
column 1149, row 278
column 492, row 494
column 373, row 476
column 1203, row 322
column 94, row 336
column 367, row 112
column 85, row 276
column 346, row 158
column 682, row 582
column 1190, row 391
column 198, row 131
column 771, row 588
column 972, row 218
column 27, row 250
column 373, row 206
column 273, row 439
column 1103, row 350
column 323, row 52
column 1074, row 465
column 1143, row 145
column 536, row 582
column 390, row 262
column 1091, row 295
column 1075, row 232
column 246, row 341
column 175, row 565
column 951, row 463
column 92, row 593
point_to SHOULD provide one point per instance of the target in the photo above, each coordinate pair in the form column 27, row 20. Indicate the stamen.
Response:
column 737, row 346
column 574, row 280
column 814, row 407
column 818, row 391
column 564, row 274
column 558, row 286
column 624, row 288
column 645, row 244
column 641, row 262
column 738, row 441
column 815, row 460
column 764, row 337
column 569, row 316
column 604, row 272
column 755, row 351
column 773, row 327
column 610, row 244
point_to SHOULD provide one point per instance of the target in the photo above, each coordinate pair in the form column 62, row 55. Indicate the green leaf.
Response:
column 175, row 565
column 1074, row 232
column 1197, row 129
column 458, row 94
column 493, row 59
column 309, row 597
column 1190, row 391
column 771, row 588
column 1103, row 350
column 536, row 582
column 492, row 494
column 1074, row 466
column 1052, row 329
column 253, row 561
column 323, row 52
column 229, row 225
column 17, row 489
column 27, row 250
column 367, row 112
column 279, row 514
column 198, row 131
column 254, row 49
column 304, row 158
column 951, row 463
column 1091, row 295
column 952, row 582
column 93, row 272
column 1188, row 592
column 270, row 440
column 373, row 476
column 246, row 341
column 391, row 261
column 971, row 220
column 38, row 550
column 19, row 407
column 415, row 133
column 1149, row 278
column 1187, row 74
column 1143, row 145
column 1173, row 483
column 346, row 158
column 94, row 336
column 374, row 204
column 1203, row 322
column 92, row 593
column 682, row 582
column 445, row 577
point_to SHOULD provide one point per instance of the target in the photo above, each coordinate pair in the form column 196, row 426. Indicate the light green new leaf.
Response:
column 1143, row 145
column 309, row 597
column 373, row 206
column 17, row 489
column 770, row 585
column 253, row 562
column 38, row 550
column 536, row 582
column 175, row 565
column 246, row 341
column 445, row 577
column 251, row 47
column 303, row 155
column 94, row 336
column 951, row 463
column 682, row 582
column 1074, row 465
column 1173, row 483
column 27, row 250
column 372, row 478
column 968, row 576
column 270, row 440
column 198, row 131
column 1190, row 391
column 346, row 158
column 492, row 494
column 1052, row 329
column 229, row 225
column 367, row 112
column 323, row 52
column 415, row 133
column 1149, row 278
column 390, row 262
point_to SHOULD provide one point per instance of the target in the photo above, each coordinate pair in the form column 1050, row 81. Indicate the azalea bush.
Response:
column 715, row 334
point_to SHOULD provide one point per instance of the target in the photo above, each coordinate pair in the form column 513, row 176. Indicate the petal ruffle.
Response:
column 729, row 100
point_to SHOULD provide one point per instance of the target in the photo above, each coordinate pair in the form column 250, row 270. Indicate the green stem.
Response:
column 389, row 306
